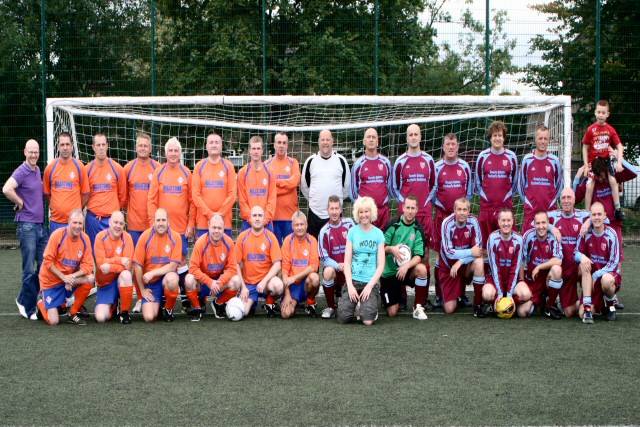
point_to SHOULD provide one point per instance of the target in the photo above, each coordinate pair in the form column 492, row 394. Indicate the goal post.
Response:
column 237, row 118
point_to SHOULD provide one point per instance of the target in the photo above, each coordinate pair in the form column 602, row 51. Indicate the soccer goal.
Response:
column 237, row 118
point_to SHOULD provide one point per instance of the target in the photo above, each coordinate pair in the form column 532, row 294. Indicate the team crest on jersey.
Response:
column 466, row 234
column 510, row 250
column 221, row 174
column 180, row 179
column 603, row 245
column 72, row 175
column 423, row 165
column 533, row 168
column 264, row 181
column 263, row 247
column 287, row 169
column 380, row 167
column 222, row 256
column 150, row 176
column 108, row 177
column 459, row 172
column 344, row 234
column 548, row 169
column 305, row 252
column 167, row 248
column 575, row 227
column 412, row 236
column 79, row 254
column 119, row 250
column 505, row 162
column 366, row 169
column 488, row 162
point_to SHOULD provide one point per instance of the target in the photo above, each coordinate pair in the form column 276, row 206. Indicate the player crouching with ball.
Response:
column 363, row 265
column 504, row 248
column 404, row 245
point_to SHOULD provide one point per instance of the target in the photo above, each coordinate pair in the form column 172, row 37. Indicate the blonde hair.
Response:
column 365, row 203
column 298, row 214
column 172, row 141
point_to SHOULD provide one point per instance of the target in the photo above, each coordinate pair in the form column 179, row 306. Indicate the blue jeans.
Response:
column 33, row 238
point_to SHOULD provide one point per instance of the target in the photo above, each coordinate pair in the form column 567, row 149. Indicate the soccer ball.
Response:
column 505, row 307
column 235, row 309
column 406, row 255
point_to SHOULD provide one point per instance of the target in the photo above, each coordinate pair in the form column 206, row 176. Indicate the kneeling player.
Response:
column 156, row 258
column 259, row 259
column 598, row 255
column 67, row 268
column 300, row 268
column 113, row 251
column 212, row 271
column 332, row 241
column 504, row 248
column 461, row 258
column 398, row 272
column 543, row 260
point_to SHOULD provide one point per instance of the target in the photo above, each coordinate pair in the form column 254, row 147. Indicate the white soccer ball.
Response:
column 405, row 252
column 235, row 309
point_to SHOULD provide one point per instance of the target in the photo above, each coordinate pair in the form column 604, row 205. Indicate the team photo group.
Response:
column 122, row 232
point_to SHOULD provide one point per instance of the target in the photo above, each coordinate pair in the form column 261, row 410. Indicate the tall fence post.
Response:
column 376, row 52
column 154, row 67
column 264, row 47
column 598, row 59
column 487, row 51
column 43, row 68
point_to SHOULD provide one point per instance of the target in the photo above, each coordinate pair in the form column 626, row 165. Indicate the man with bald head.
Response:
column 113, row 250
column 24, row 190
column 324, row 174
column 212, row 271
column 371, row 176
column 156, row 259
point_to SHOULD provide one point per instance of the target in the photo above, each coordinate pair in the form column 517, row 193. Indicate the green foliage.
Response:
column 570, row 53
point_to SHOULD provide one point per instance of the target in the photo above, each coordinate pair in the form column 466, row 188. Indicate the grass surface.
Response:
column 445, row 371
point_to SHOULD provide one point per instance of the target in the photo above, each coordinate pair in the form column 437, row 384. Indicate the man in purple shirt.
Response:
column 371, row 176
column 24, row 189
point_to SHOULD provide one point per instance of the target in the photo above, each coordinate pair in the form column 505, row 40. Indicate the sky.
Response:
column 523, row 23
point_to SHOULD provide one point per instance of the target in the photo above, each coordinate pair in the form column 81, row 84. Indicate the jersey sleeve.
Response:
column 191, row 216
column 84, row 179
column 122, row 185
column 176, row 251
column 355, row 179
column 231, row 267
column 196, row 261
column 272, row 198
column 286, row 255
column 314, row 259
column 397, row 180
column 232, row 188
column 46, row 182
column 305, row 179
column 614, row 255
column 86, row 263
column 152, row 196
column 243, row 198
column 323, row 249
column 275, row 252
column 196, row 191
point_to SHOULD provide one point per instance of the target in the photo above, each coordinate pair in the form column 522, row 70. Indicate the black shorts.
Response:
column 390, row 289
column 315, row 223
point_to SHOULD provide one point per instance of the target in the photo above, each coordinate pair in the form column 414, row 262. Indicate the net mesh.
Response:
column 236, row 123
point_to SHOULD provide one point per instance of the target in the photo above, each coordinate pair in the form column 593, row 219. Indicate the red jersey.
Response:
column 599, row 138
column 496, row 178
column 138, row 174
column 299, row 253
column 64, row 182
column 171, row 189
column 154, row 250
column 213, row 260
column 372, row 177
column 257, row 253
column 505, row 257
column 66, row 254
column 213, row 190
column 287, row 176
column 453, row 181
column 569, row 227
column 256, row 186
column 108, row 187
column 111, row 251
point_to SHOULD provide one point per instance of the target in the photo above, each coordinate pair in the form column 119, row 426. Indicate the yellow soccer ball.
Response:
column 505, row 307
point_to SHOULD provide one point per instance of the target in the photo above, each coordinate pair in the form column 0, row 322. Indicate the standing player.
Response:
column 540, row 180
column 286, row 171
column 542, row 255
column 324, row 174
column 363, row 265
column 214, row 188
column 108, row 188
column 259, row 261
column 371, row 176
column 139, row 173
column 24, row 190
column 331, row 246
column 461, row 257
column 156, row 259
column 300, row 269
column 113, row 250
column 404, row 231
column 453, row 181
column 256, row 187
column 65, row 184
column 599, row 138
column 568, row 221
column 212, row 271
column 504, row 248
column 496, row 179
column 67, row 269
column 598, row 255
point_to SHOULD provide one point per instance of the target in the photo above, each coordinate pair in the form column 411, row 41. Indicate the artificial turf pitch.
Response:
column 453, row 370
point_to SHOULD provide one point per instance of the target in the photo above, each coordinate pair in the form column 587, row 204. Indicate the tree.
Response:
column 570, row 61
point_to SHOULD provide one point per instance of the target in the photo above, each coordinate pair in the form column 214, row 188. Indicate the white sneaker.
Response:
column 21, row 309
column 419, row 313
column 137, row 308
column 328, row 313
column 34, row 315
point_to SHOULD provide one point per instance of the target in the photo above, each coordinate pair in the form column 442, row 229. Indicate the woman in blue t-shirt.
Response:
column 363, row 265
